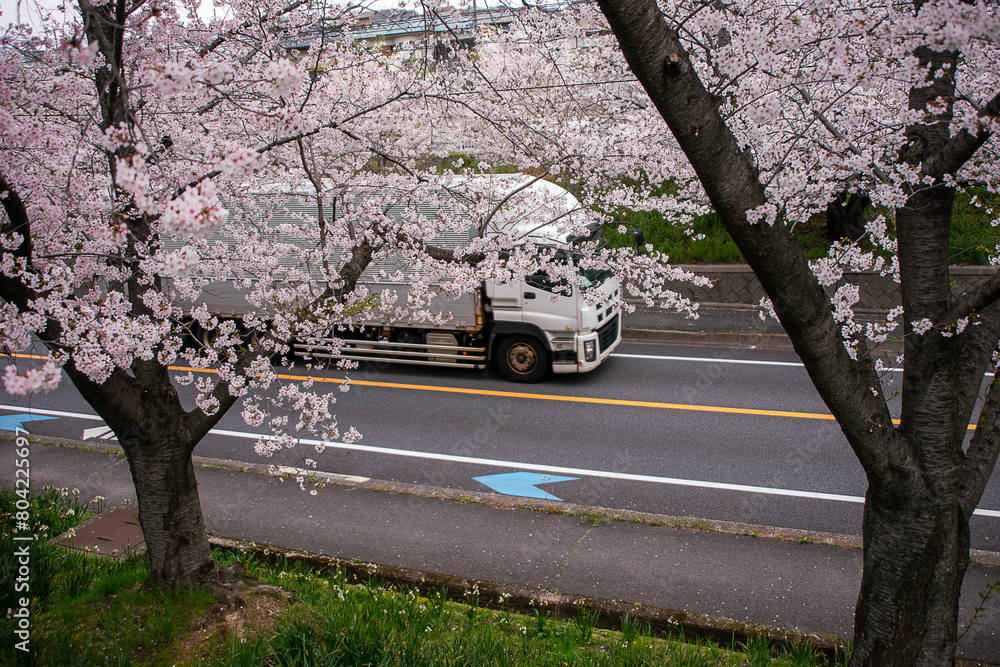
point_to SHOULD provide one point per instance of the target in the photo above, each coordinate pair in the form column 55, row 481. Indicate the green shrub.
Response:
column 973, row 238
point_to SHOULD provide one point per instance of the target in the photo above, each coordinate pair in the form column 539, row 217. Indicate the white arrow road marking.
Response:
column 103, row 432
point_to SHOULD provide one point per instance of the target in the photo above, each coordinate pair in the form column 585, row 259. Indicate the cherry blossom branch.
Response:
column 557, row 86
column 17, row 222
column 441, row 254
column 331, row 125
column 486, row 79
column 232, row 32
column 12, row 288
column 496, row 209
column 112, row 51
column 318, row 187
column 836, row 132
column 516, row 141
column 962, row 146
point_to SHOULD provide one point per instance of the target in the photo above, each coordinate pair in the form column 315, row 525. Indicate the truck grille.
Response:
column 608, row 334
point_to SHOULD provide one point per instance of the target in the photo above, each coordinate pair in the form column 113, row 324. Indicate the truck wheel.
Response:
column 522, row 359
column 200, row 337
column 206, row 339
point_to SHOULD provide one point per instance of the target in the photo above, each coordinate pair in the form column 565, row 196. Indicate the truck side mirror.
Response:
column 640, row 238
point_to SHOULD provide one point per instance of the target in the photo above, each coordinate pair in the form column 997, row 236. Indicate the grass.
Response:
column 90, row 611
column 49, row 514
column 84, row 610
column 336, row 623
column 973, row 241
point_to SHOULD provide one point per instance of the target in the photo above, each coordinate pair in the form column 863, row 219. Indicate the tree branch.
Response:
column 972, row 302
column 223, row 38
column 836, row 132
column 332, row 125
column 981, row 456
column 962, row 146
column 17, row 220
column 660, row 62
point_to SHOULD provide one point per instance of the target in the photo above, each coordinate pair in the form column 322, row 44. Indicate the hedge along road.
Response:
column 735, row 435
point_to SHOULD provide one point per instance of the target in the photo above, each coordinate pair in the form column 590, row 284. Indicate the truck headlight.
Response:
column 590, row 350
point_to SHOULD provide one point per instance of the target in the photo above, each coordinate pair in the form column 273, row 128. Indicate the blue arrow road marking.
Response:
column 13, row 422
column 522, row 484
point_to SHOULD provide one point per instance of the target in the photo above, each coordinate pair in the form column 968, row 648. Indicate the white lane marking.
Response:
column 582, row 472
column 724, row 360
column 103, row 432
column 719, row 360
column 559, row 470
column 54, row 413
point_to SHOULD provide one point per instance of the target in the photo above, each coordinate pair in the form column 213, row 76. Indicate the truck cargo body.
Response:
column 528, row 327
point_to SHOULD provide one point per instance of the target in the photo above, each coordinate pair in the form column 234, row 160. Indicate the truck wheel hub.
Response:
column 522, row 358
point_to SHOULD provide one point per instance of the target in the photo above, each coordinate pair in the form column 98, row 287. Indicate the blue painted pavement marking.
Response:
column 14, row 422
column 522, row 484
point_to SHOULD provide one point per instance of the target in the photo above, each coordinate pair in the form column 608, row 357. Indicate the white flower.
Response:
column 208, row 404
column 922, row 326
column 195, row 213
column 172, row 78
column 178, row 262
column 44, row 379
column 767, row 212
column 241, row 161
column 283, row 76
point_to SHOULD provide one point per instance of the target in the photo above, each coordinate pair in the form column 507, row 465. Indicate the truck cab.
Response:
column 537, row 325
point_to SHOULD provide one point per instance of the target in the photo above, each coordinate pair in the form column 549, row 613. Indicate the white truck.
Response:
column 526, row 328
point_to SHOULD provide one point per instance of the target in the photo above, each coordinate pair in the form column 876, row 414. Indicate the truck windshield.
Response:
column 593, row 277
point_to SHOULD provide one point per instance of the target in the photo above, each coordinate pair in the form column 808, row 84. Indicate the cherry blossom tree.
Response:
column 149, row 156
column 150, row 159
column 781, row 108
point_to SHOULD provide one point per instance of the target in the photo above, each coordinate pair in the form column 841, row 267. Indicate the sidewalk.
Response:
column 810, row 587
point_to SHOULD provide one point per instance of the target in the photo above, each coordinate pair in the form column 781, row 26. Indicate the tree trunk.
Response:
column 169, row 510
column 159, row 437
column 916, row 551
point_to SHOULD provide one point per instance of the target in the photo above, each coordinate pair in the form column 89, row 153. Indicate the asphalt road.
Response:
column 736, row 435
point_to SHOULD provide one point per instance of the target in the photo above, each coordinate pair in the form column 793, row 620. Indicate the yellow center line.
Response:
column 602, row 401
column 542, row 397
column 550, row 397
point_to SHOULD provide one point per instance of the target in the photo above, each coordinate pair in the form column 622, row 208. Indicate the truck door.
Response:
column 552, row 307
column 506, row 301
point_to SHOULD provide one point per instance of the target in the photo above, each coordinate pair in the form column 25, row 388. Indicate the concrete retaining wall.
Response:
column 736, row 284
